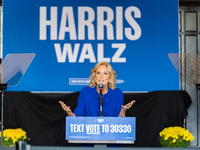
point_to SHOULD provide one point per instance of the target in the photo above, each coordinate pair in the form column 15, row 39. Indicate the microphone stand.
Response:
column 101, row 113
column 101, row 85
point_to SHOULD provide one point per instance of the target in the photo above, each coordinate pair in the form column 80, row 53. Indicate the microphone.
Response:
column 101, row 85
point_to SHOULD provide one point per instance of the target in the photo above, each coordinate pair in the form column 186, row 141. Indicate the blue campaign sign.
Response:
column 100, row 128
column 68, row 37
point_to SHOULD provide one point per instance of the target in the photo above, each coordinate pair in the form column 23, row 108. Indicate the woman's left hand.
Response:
column 125, row 108
column 129, row 105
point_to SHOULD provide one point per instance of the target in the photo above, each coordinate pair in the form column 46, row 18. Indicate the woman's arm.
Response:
column 125, row 108
column 67, row 109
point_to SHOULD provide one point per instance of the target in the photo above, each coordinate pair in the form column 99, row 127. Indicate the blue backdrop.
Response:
column 69, row 37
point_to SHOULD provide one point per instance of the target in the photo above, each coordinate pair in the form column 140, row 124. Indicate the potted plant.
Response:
column 11, row 136
column 175, row 137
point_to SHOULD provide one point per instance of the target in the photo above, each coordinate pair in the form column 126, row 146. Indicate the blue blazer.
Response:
column 88, row 102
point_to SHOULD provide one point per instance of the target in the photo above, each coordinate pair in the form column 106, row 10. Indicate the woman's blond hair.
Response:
column 112, row 72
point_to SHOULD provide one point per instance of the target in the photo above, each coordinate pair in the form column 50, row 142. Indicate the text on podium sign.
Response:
column 100, row 128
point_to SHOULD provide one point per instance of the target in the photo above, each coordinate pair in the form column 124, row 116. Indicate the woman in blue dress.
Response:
column 89, row 99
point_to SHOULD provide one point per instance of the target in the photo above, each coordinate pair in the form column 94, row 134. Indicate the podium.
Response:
column 120, row 130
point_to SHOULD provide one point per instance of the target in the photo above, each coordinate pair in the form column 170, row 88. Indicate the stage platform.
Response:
column 96, row 148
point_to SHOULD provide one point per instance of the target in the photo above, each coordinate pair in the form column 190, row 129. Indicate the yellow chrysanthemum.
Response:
column 13, row 135
column 172, row 136
column 174, row 140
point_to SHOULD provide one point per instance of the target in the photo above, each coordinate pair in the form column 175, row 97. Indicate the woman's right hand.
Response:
column 67, row 109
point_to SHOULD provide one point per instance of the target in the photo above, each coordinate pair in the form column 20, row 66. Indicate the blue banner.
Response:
column 100, row 128
column 69, row 37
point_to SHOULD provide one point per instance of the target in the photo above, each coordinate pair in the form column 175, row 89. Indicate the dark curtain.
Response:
column 42, row 117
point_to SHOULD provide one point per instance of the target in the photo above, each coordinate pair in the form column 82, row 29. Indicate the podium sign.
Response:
column 100, row 129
